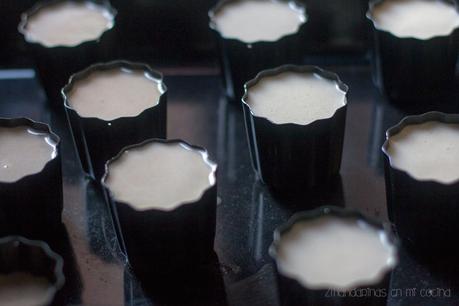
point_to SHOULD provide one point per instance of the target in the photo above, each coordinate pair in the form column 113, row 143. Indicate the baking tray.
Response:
column 96, row 270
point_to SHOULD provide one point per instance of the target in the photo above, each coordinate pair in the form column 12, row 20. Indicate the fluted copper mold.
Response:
column 424, row 212
column 97, row 140
column 165, row 241
column 409, row 70
column 241, row 61
column 292, row 158
column 18, row 254
column 292, row 292
column 35, row 199
column 56, row 64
